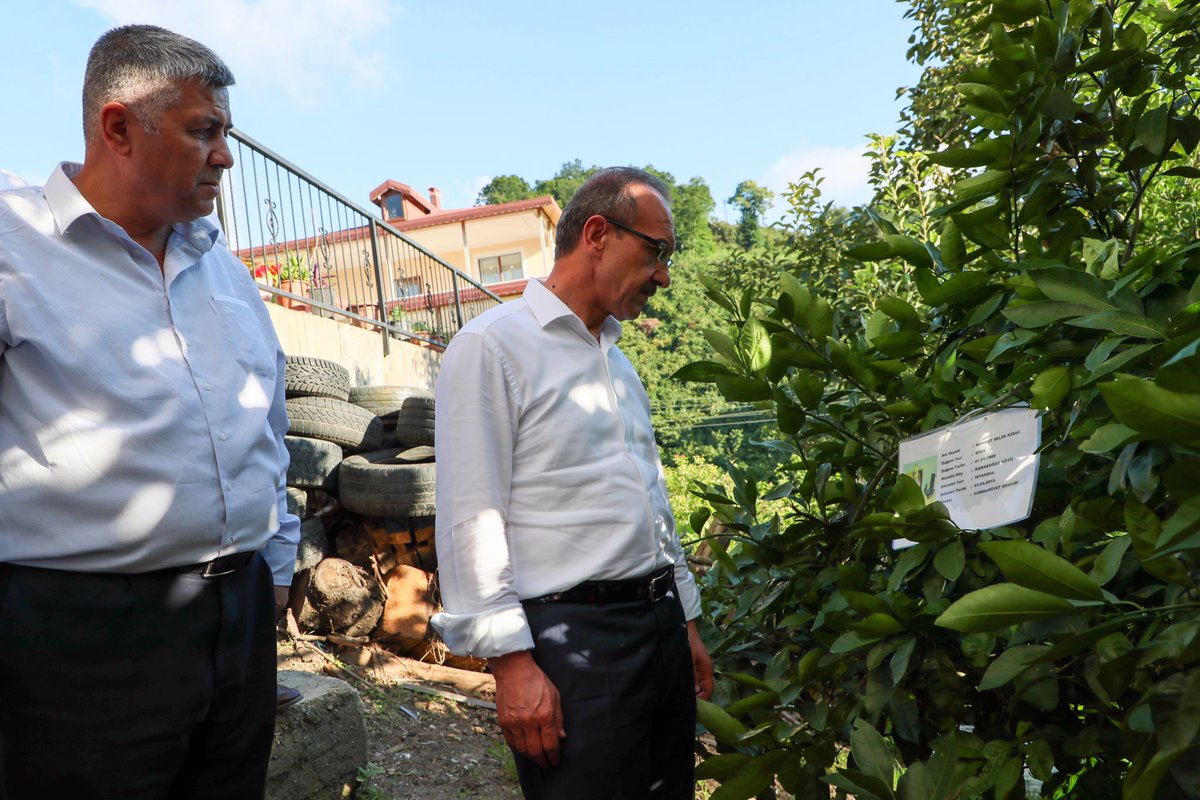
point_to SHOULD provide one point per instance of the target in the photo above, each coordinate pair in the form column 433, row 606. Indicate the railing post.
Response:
column 457, row 298
column 379, row 287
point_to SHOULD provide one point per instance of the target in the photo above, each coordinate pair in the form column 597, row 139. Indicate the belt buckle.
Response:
column 212, row 570
column 659, row 580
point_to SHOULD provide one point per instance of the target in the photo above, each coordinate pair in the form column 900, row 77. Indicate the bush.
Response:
column 1056, row 274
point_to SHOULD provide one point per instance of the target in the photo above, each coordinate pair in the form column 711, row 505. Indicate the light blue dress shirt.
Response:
column 141, row 411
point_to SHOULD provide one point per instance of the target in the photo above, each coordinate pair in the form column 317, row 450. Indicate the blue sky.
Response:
column 451, row 93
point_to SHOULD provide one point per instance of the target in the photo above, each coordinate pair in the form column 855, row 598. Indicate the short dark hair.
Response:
column 606, row 193
column 141, row 66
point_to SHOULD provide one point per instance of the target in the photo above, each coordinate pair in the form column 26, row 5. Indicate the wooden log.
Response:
column 341, row 598
column 409, row 604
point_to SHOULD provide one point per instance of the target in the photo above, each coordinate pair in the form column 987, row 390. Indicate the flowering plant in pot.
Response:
column 295, row 276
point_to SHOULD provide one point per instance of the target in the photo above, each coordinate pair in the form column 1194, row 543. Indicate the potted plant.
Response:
column 295, row 276
column 323, row 290
column 267, row 273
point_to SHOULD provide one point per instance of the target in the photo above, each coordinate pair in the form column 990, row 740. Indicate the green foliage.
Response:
column 1028, row 251
column 504, row 189
column 566, row 182
column 752, row 202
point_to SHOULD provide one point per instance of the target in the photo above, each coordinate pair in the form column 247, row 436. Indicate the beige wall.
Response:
column 358, row 350
column 525, row 232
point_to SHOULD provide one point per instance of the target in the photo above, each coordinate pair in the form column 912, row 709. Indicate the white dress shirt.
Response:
column 547, row 471
column 141, row 411
column 9, row 181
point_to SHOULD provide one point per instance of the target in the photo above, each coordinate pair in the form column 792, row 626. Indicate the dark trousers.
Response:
column 624, row 675
column 135, row 687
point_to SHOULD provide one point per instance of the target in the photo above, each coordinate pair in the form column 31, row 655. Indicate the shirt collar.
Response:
column 547, row 307
column 68, row 206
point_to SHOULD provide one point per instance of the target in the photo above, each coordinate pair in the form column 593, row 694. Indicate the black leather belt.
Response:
column 217, row 567
column 654, row 586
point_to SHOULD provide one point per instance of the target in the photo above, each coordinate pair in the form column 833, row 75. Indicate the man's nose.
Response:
column 221, row 155
column 662, row 276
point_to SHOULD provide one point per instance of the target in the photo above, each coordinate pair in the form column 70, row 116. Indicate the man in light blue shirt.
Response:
column 143, row 516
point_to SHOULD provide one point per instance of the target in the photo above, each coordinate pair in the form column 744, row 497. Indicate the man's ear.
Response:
column 595, row 232
column 115, row 121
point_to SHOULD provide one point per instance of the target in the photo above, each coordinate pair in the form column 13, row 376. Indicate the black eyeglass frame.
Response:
column 664, row 248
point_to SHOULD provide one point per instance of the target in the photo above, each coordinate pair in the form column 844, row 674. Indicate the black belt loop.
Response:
column 652, row 587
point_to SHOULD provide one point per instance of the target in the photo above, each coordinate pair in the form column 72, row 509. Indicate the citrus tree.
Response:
column 1060, row 268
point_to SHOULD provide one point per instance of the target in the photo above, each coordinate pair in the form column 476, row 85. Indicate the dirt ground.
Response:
column 430, row 732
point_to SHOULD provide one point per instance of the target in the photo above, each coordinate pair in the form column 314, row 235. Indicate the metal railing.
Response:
column 312, row 249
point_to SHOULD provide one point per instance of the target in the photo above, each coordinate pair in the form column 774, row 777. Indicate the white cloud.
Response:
column 844, row 169
column 303, row 48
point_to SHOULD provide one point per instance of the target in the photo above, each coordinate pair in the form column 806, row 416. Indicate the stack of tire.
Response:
column 361, row 452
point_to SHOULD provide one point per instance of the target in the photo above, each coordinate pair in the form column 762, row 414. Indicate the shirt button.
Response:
column 224, row 436
column 208, row 387
column 228, row 486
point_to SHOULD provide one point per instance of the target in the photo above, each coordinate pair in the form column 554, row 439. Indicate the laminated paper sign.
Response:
column 984, row 469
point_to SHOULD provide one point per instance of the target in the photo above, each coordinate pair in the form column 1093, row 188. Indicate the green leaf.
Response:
column 1120, row 322
column 1014, row 12
column 718, row 722
column 1152, row 410
column 820, row 320
column 978, row 186
column 1009, row 664
column 1119, row 360
column 1179, row 527
column 994, row 607
column 960, row 289
column 1040, row 313
column 872, row 251
column 909, row 249
column 907, row 497
column 754, row 346
column 961, row 158
column 870, row 752
column 1109, row 561
column 1108, row 437
column 723, row 344
column 950, row 560
column 1051, row 387
column 1151, row 129
column 753, row 778
column 898, row 309
column 1181, row 372
column 743, row 390
column 1072, row 286
column 1035, row 567
column 721, row 767
column 701, row 372
column 715, row 291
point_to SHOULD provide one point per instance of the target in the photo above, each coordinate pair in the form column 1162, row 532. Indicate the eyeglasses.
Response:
column 663, row 248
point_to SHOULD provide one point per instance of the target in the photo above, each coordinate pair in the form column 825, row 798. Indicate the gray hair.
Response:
column 606, row 193
column 141, row 66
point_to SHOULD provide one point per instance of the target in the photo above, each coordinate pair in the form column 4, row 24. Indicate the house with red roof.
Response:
column 502, row 246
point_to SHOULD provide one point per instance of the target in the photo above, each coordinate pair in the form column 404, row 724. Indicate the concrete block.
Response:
column 319, row 743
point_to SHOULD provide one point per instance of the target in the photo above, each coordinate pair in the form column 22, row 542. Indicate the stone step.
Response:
column 319, row 743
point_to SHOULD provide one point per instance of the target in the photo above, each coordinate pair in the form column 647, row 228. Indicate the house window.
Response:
column 393, row 206
column 408, row 287
column 493, row 269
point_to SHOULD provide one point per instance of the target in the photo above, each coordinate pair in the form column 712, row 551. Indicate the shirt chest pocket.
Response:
column 243, row 336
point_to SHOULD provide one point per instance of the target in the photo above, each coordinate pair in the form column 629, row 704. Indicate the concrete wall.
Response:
column 358, row 350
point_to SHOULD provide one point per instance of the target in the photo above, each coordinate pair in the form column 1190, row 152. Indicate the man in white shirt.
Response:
column 558, row 557
column 145, row 542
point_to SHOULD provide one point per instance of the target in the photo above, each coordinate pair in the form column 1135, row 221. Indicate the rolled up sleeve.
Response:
column 475, row 429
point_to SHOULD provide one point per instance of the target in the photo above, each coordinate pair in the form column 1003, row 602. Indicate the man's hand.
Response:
column 701, row 663
column 528, row 708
